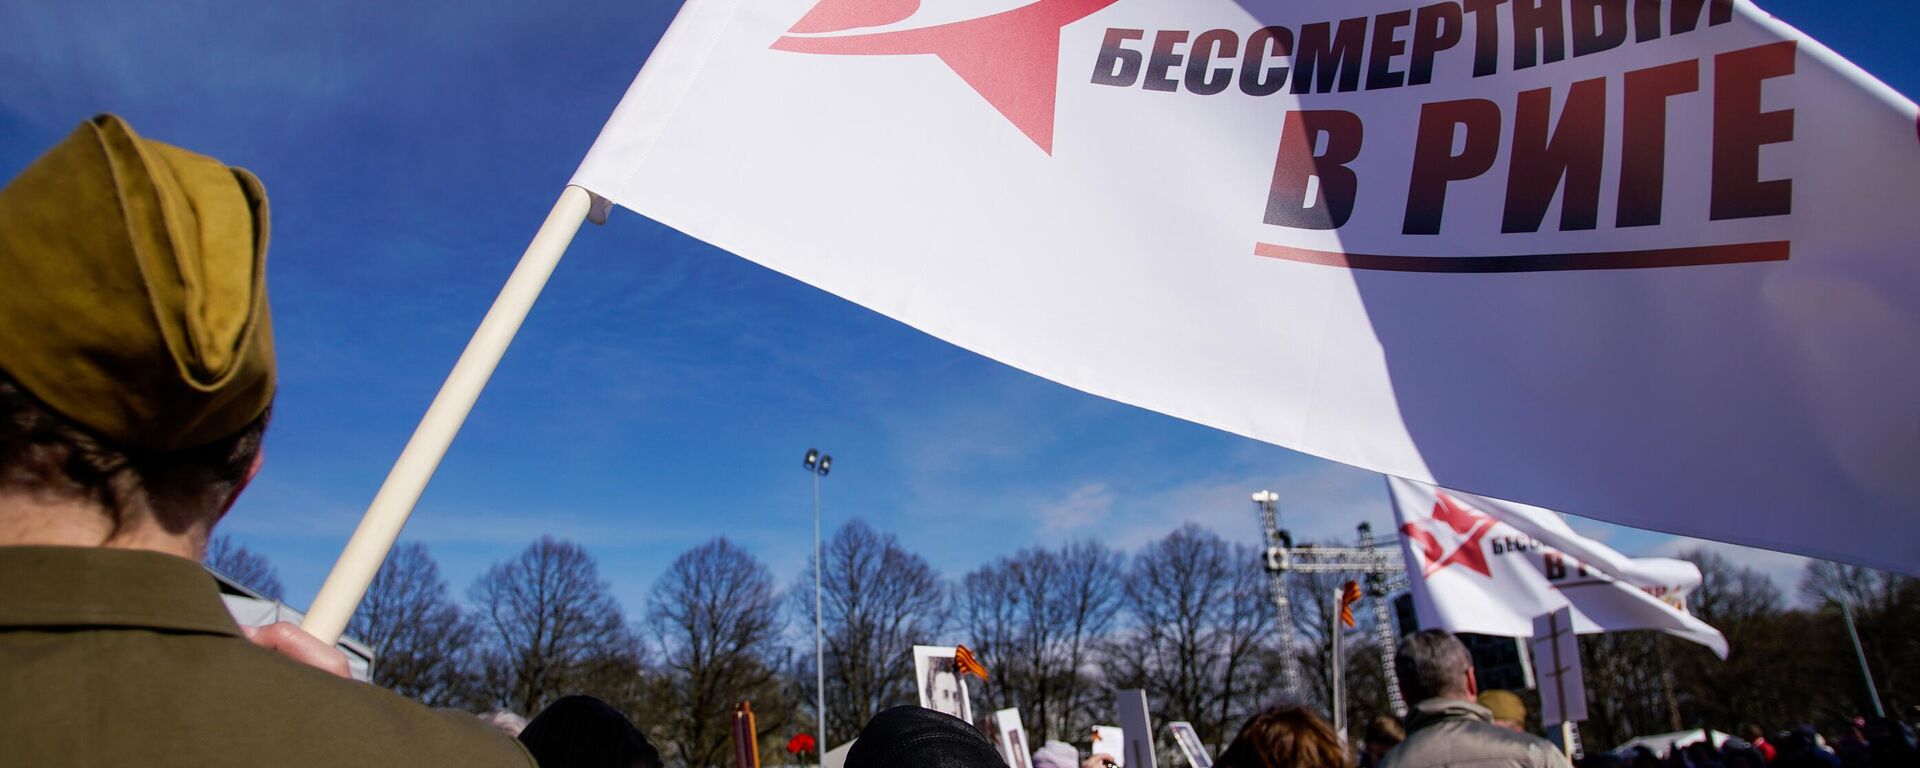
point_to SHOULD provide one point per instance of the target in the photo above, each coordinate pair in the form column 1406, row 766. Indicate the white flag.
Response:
column 1650, row 263
column 1489, row 567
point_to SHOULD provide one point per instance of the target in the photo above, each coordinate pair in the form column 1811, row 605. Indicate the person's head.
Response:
column 1737, row 752
column 586, row 732
column 1508, row 710
column 1793, row 742
column 1433, row 664
column 1289, row 736
column 1751, row 733
column 136, row 370
column 1056, row 754
column 917, row 737
column 1384, row 732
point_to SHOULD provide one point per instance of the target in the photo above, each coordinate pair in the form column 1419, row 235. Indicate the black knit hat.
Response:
column 917, row 737
column 584, row 732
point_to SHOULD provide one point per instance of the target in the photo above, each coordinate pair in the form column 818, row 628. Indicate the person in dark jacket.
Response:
column 1447, row 727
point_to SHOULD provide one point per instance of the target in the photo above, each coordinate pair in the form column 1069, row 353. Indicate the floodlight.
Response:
column 812, row 457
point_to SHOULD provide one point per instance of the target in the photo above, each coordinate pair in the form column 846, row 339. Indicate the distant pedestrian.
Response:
column 1056, row 754
column 1758, row 738
column 1508, row 710
column 1447, row 727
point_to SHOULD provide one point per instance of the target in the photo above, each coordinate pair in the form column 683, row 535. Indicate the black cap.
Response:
column 917, row 737
column 585, row 732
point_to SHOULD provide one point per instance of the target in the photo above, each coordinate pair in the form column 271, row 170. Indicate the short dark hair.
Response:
column 1289, row 736
column 46, row 456
column 1433, row 663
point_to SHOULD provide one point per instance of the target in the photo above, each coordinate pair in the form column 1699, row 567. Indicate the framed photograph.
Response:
column 942, row 688
column 1013, row 738
column 1111, row 740
column 1190, row 744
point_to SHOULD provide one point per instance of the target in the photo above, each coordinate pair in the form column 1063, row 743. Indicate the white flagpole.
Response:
column 361, row 559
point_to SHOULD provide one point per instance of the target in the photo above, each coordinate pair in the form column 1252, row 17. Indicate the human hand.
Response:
column 1098, row 760
column 291, row 641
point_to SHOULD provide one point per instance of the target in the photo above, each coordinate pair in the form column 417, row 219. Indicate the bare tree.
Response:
column 716, row 616
column 1036, row 618
column 1886, row 613
column 552, row 624
column 244, row 565
column 1640, row 682
column 422, row 642
column 1194, row 645
column 1084, row 604
column 1003, row 613
column 878, row 600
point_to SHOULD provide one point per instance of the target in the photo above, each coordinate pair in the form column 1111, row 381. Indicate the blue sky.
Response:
column 663, row 391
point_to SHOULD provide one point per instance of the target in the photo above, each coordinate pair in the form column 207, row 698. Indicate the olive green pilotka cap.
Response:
column 133, row 294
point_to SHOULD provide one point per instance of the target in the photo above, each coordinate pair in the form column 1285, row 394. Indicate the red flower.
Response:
column 801, row 742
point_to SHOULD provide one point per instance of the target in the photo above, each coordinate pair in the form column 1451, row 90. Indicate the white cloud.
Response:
column 1088, row 504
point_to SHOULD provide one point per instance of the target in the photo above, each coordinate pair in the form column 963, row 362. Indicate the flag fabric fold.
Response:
column 1490, row 567
column 965, row 663
column 1648, row 267
column 1349, row 594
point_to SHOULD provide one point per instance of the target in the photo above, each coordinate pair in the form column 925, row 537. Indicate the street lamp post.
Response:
column 818, row 464
column 1860, row 653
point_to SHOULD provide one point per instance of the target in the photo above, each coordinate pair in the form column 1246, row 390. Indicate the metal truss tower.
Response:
column 1384, row 573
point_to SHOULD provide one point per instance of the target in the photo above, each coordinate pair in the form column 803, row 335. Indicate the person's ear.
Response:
column 1473, row 686
column 253, row 469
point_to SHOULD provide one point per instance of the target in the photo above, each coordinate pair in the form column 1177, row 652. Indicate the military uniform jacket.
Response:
column 1452, row 732
column 120, row 658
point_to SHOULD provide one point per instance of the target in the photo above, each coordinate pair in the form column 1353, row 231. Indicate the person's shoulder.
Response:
column 377, row 720
column 1517, row 739
column 135, row 696
column 253, row 698
column 1463, row 742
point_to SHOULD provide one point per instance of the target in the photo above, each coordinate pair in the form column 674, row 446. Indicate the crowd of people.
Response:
column 1877, row 742
column 137, row 376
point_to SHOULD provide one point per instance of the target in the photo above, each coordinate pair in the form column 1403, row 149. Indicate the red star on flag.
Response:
column 1464, row 520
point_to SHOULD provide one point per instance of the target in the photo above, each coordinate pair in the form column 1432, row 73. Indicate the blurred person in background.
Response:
column 1447, row 726
column 1285, row 737
column 1383, row 733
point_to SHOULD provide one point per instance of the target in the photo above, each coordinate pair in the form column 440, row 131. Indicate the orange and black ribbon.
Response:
column 964, row 661
column 1349, row 594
